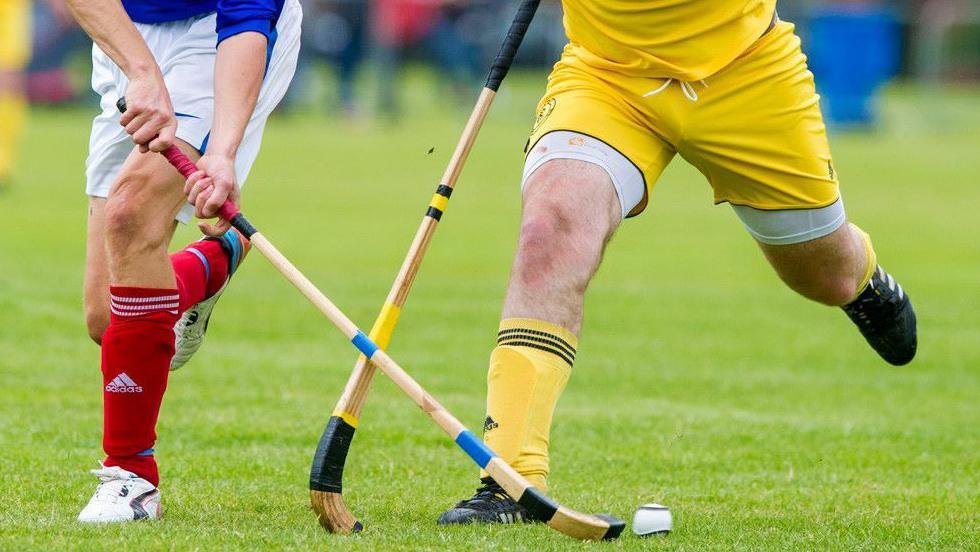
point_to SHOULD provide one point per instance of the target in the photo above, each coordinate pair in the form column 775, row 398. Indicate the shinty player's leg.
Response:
column 765, row 150
column 571, row 211
column 128, row 236
column 138, row 222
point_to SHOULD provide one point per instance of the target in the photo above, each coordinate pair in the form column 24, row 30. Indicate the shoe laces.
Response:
column 882, row 296
column 114, row 480
column 488, row 496
column 686, row 87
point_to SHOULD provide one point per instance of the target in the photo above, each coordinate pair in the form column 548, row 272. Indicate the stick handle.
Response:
column 515, row 35
column 186, row 168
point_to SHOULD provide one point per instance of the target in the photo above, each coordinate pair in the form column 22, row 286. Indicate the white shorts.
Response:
column 780, row 227
column 185, row 51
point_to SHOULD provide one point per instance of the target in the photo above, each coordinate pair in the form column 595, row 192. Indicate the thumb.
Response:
column 214, row 230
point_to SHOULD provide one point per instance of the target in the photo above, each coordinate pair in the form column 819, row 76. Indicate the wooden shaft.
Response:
column 304, row 285
column 426, row 402
column 468, row 138
column 359, row 383
column 419, row 396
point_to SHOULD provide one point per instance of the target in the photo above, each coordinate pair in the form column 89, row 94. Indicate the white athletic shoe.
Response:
column 121, row 496
column 193, row 324
column 190, row 329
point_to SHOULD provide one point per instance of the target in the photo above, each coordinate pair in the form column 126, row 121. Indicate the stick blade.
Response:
column 586, row 526
column 333, row 514
column 616, row 526
column 543, row 508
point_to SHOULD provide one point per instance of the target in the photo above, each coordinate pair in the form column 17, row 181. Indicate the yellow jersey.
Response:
column 687, row 40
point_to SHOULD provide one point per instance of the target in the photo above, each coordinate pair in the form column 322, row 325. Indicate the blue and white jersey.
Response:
column 234, row 16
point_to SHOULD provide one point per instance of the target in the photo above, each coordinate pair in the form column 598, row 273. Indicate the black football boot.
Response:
column 490, row 504
column 886, row 318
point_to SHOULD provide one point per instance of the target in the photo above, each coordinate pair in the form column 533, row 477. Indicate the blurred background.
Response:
column 357, row 53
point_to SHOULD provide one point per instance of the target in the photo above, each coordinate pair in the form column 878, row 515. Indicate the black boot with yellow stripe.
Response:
column 528, row 372
column 490, row 504
column 884, row 314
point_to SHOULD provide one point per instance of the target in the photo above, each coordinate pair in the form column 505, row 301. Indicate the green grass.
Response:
column 762, row 420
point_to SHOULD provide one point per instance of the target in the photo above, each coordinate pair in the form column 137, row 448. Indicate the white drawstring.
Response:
column 686, row 87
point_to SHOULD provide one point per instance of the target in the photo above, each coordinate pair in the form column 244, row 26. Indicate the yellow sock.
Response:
column 528, row 372
column 872, row 259
column 13, row 111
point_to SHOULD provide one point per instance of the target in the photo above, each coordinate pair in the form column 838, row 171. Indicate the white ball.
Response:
column 652, row 519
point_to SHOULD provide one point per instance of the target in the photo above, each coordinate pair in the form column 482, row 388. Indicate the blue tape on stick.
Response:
column 364, row 344
column 477, row 449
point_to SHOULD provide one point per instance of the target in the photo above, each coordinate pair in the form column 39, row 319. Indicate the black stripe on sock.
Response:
column 558, row 353
column 554, row 338
column 541, row 340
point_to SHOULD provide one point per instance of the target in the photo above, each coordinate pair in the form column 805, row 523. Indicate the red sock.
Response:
column 201, row 269
column 136, row 352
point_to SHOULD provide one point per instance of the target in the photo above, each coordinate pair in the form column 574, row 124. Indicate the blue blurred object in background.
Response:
column 853, row 49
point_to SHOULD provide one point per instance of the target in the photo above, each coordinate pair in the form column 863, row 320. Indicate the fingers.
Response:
column 217, row 199
column 164, row 140
column 200, row 198
column 151, row 129
column 191, row 181
column 214, row 229
column 211, row 186
column 128, row 115
column 211, row 199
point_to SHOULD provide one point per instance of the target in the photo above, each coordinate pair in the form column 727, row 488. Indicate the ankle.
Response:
column 143, row 465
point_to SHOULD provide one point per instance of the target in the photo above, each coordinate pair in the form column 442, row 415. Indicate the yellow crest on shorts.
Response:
column 543, row 113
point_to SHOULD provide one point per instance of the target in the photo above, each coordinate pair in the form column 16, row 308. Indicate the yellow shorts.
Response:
column 15, row 34
column 754, row 129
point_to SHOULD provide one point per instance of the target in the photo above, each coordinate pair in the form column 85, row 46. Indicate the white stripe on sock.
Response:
column 158, row 299
column 117, row 312
column 147, row 307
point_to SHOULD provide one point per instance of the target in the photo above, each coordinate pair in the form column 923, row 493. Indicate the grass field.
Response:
column 762, row 420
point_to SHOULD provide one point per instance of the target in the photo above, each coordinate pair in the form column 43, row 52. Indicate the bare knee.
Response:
column 827, row 270
column 569, row 214
column 831, row 289
column 134, row 220
column 544, row 248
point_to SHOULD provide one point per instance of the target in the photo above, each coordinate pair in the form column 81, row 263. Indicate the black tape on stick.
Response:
column 515, row 35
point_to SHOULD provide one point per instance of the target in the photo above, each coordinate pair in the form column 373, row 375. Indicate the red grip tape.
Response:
column 186, row 167
column 180, row 161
